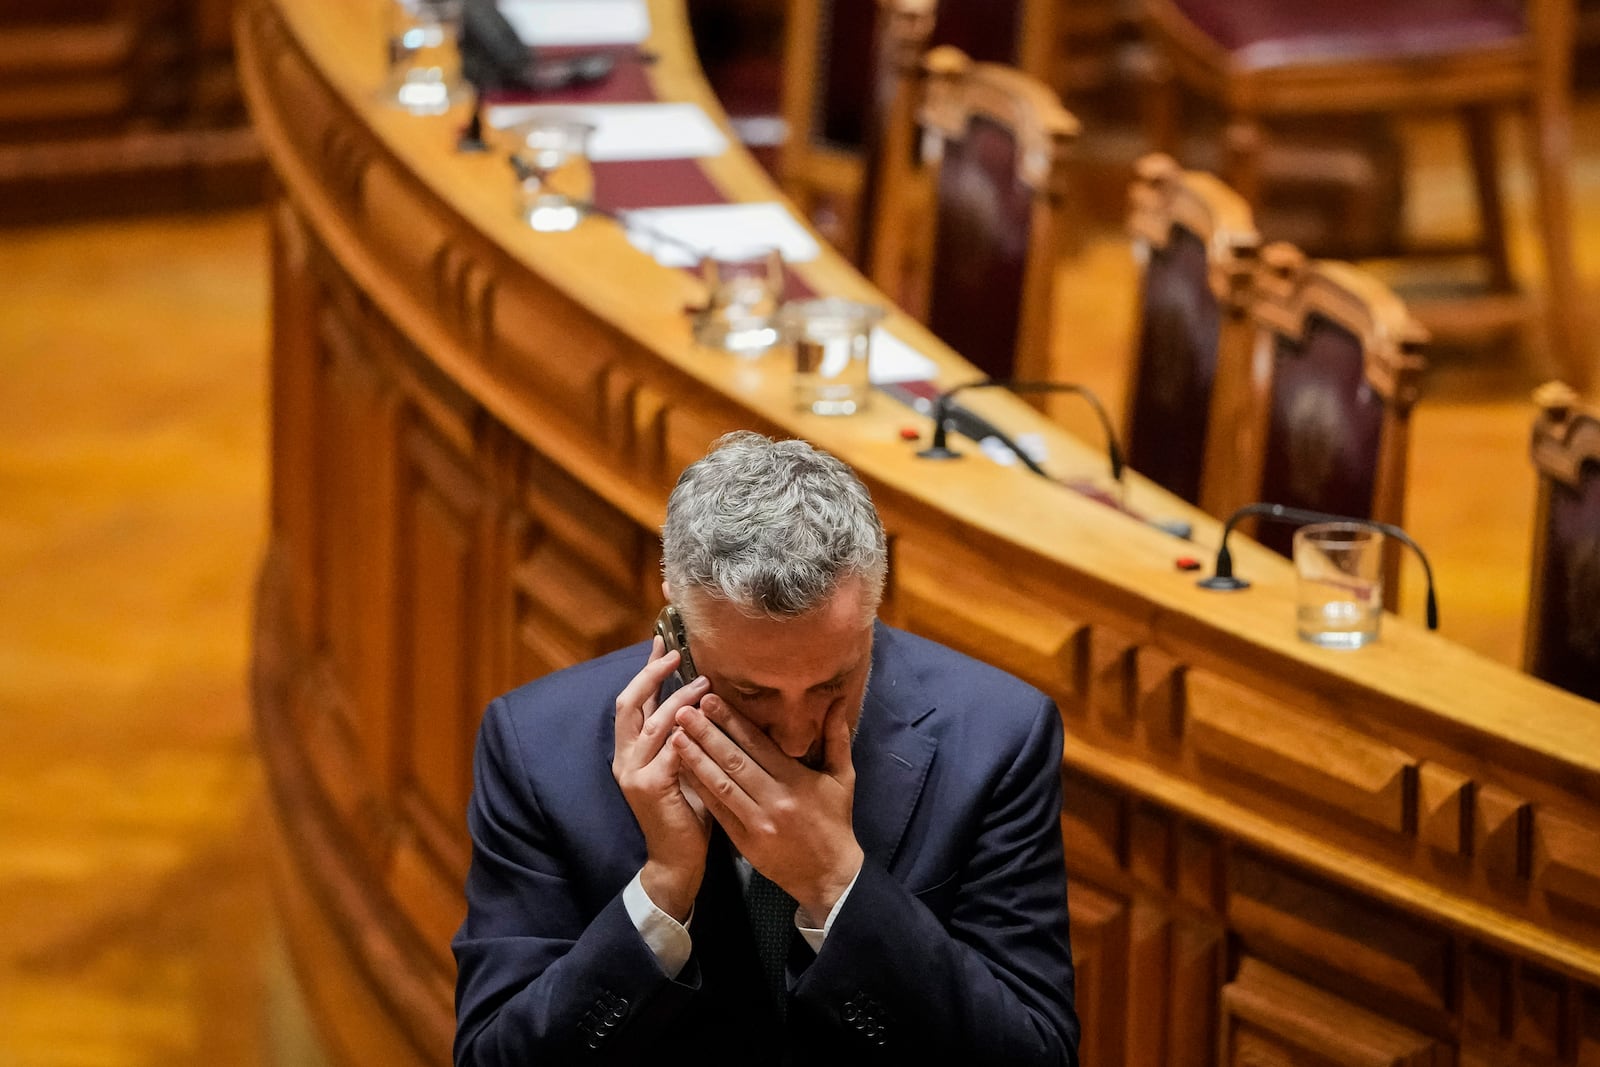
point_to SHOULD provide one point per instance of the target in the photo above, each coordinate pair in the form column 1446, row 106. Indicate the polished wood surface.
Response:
column 135, row 926
column 474, row 433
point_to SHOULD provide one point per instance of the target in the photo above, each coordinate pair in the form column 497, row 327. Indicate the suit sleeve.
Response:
column 992, row 983
column 539, row 978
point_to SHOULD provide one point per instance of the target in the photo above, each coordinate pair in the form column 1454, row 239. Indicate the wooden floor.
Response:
column 134, row 922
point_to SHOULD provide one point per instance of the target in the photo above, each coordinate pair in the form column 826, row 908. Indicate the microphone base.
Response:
column 938, row 452
column 1223, row 583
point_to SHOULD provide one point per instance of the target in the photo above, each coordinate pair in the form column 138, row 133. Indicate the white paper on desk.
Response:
column 557, row 23
column 895, row 361
column 680, row 236
column 628, row 131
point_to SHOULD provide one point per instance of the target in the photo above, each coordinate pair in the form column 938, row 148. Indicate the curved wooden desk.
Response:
column 1392, row 856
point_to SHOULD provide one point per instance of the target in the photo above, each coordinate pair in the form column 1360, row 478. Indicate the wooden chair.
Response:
column 995, row 144
column 1197, row 251
column 1334, row 372
column 1263, row 59
column 1562, row 643
column 846, row 65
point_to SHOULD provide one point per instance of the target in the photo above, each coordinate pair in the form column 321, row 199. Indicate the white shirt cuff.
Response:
column 813, row 936
column 665, row 936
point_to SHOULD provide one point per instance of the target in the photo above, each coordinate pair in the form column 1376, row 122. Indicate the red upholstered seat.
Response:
column 1264, row 35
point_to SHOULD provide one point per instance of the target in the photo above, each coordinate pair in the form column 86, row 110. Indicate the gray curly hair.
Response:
column 772, row 527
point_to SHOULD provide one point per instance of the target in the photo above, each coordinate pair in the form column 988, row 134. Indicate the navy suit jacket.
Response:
column 953, row 945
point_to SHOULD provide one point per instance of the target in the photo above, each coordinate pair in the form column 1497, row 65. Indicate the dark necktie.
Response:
column 772, row 921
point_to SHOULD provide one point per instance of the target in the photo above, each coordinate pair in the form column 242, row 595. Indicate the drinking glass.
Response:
column 832, row 352
column 424, row 55
column 1340, row 597
column 557, row 180
column 744, row 287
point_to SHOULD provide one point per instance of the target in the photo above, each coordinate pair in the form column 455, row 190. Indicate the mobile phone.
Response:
column 669, row 624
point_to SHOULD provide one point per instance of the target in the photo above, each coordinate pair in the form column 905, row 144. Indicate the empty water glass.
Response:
column 833, row 353
column 424, row 55
column 1340, row 570
column 555, row 179
column 744, row 287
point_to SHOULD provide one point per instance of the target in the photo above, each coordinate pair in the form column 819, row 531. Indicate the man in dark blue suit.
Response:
column 836, row 843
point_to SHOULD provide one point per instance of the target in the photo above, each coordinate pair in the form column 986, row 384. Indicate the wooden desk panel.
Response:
column 1392, row 856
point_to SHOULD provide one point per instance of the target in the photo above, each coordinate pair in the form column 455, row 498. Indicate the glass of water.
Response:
column 424, row 55
column 832, row 354
column 1340, row 571
column 744, row 288
column 557, row 181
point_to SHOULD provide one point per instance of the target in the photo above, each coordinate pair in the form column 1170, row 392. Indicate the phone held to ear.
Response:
column 669, row 626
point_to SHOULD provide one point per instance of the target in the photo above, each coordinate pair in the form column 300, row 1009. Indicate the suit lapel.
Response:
column 891, row 755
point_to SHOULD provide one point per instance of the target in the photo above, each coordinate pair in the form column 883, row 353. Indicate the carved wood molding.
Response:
column 1272, row 1020
column 959, row 90
column 1566, row 435
column 1165, row 197
column 1289, row 288
column 397, row 967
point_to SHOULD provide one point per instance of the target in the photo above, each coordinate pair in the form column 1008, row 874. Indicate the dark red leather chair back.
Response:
column 1566, row 593
column 1336, row 370
column 1325, row 430
column 1189, row 383
column 1179, row 331
column 848, row 49
column 983, row 225
column 1563, row 633
column 845, row 52
column 989, row 31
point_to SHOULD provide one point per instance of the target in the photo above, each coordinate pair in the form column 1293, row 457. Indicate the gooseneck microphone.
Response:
column 1223, row 578
column 940, row 447
column 471, row 139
